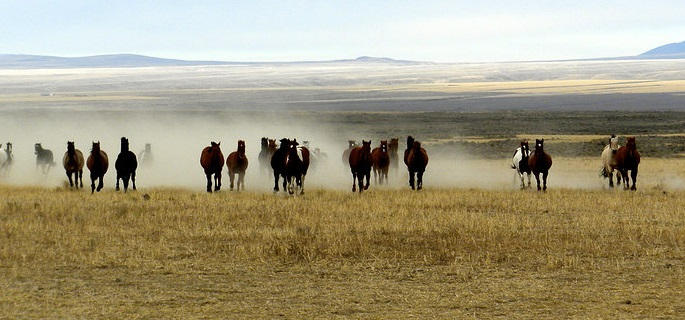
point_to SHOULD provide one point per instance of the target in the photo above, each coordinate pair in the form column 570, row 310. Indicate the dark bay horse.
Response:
column 212, row 161
column 519, row 162
column 126, row 165
column 628, row 159
column 237, row 165
column 97, row 163
column 393, row 148
column 278, row 162
column 73, row 163
column 296, row 166
column 540, row 162
column 381, row 162
column 416, row 159
column 44, row 158
column 360, row 165
column 268, row 149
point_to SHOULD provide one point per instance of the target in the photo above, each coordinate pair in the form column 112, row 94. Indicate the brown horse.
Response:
column 237, row 164
column 126, row 165
column 360, row 164
column 97, row 163
column 73, row 162
column 540, row 162
column 416, row 159
column 393, row 147
column 278, row 162
column 296, row 166
column 381, row 162
column 212, row 161
column 628, row 159
column 268, row 149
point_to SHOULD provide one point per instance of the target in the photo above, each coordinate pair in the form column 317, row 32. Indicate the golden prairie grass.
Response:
column 382, row 254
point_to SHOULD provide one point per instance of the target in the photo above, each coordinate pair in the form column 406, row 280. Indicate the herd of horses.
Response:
column 622, row 159
column 290, row 161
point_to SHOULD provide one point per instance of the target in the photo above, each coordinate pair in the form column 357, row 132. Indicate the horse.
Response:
column 126, row 165
column 381, row 162
column 520, row 162
column 237, row 164
column 145, row 156
column 540, row 162
column 268, row 149
column 416, row 159
column 628, row 159
column 44, row 159
column 393, row 147
column 360, row 165
column 6, row 159
column 97, row 163
column 73, row 162
column 278, row 162
column 296, row 166
column 212, row 161
column 609, row 161
column 346, row 154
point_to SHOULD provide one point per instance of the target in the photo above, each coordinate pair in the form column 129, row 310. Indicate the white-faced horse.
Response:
column 609, row 163
column 520, row 162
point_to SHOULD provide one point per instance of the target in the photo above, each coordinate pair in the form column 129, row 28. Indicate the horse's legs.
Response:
column 368, row 180
column 419, row 180
column 537, row 179
column 100, row 182
column 375, row 176
column 217, row 181
column 276, row 175
column 231, row 175
column 117, row 186
column 411, row 179
column 611, row 178
column 71, row 183
column 133, row 179
column 354, row 182
column 209, row 182
column 633, row 174
column 544, row 181
column 302, row 184
column 79, row 176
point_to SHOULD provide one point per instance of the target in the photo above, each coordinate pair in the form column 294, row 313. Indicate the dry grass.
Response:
column 383, row 254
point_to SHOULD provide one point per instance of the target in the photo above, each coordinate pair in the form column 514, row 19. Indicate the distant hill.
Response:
column 668, row 51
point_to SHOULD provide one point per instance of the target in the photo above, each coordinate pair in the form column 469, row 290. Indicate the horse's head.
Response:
column 285, row 143
column 96, row 147
column 366, row 146
column 38, row 147
column 148, row 147
column 630, row 143
column 124, row 144
column 265, row 142
column 539, row 146
column 352, row 143
column 215, row 146
column 241, row 147
column 416, row 145
column 410, row 142
column 9, row 147
column 70, row 147
column 272, row 143
column 394, row 144
column 384, row 146
column 613, row 143
column 525, row 149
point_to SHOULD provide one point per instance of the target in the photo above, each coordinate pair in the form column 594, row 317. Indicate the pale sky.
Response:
column 428, row 30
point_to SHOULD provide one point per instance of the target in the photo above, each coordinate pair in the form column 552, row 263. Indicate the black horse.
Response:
column 44, row 159
column 278, row 162
column 126, row 165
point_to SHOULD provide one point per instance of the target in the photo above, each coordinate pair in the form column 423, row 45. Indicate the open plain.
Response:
column 470, row 245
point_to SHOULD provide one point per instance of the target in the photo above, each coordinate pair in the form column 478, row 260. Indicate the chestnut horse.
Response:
column 416, row 159
column 520, row 162
column 609, row 163
column 539, row 163
column 628, row 159
column 97, row 163
column 237, row 164
column 212, row 161
column 381, row 162
column 360, row 164
column 126, row 165
column 296, row 166
column 278, row 162
column 73, row 162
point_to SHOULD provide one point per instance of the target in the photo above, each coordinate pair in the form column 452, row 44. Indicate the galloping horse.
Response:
column 126, row 165
column 628, row 159
column 520, row 162
column 416, row 159
column 97, row 163
column 360, row 164
column 381, row 162
column 296, row 166
column 278, row 162
column 73, row 162
column 393, row 147
column 237, row 164
column 539, row 163
column 609, row 163
column 145, row 156
column 346, row 154
column 6, row 159
column 268, row 149
column 212, row 161
column 44, row 159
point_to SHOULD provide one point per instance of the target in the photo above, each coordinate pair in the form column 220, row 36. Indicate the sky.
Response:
column 282, row 30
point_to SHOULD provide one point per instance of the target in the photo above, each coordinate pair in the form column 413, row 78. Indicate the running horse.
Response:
column 126, row 165
column 145, row 156
column 278, row 162
column 520, row 162
column 268, row 149
column 6, row 159
column 360, row 165
column 393, row 147
column 609, row 163
column 73, row 163
column 237, row 165
column 296, row 166
column 212, row 161
column 97, row 163
column 346, row 154
column 540, row 162
column 416, row 159
column 44, row 158
column 628, row 159
column 381, row 162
